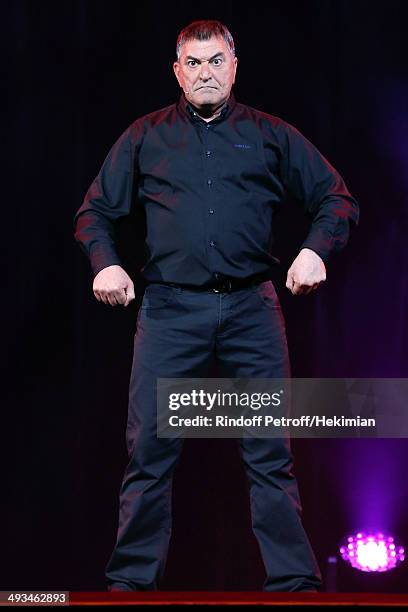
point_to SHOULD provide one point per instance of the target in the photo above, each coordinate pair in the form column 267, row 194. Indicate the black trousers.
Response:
column 179, row 332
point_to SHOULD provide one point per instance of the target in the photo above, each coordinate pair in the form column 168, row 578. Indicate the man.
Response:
column 209, row 172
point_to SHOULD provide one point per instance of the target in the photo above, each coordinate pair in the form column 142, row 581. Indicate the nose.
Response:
column 205, row 72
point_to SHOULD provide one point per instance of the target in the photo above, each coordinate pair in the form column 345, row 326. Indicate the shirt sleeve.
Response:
column 310, row 178
column 107, row 199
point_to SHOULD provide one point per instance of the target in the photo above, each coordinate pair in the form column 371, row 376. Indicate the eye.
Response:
column 217, row 61
column 191, row 63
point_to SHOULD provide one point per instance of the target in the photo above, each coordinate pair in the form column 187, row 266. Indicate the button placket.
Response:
column 209, row 162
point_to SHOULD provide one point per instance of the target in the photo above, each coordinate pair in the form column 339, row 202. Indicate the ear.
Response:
column 235, row 69
column 176, row 69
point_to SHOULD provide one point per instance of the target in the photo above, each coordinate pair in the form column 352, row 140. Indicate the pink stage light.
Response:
column 372, row 552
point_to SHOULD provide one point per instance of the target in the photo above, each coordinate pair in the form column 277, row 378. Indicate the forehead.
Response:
column 204, row 49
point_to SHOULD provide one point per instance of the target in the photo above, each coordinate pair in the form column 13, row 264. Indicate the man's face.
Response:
column 206, row 72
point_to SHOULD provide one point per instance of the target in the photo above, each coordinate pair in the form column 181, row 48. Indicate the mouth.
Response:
column 206, row 87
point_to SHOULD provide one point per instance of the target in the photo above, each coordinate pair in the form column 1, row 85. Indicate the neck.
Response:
column 208, row 111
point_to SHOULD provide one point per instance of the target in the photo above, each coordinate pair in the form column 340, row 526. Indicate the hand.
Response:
column 113, row 286
column 306, row 273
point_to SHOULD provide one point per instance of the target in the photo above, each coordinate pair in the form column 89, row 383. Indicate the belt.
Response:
column 227, row 284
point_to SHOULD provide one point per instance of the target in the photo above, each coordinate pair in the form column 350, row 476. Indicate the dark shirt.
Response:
column 209, row 191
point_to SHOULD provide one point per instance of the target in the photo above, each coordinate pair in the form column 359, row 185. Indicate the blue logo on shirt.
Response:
column 242, row 146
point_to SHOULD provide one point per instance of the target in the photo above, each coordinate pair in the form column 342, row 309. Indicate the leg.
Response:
column 173, row 340
column 252, row 344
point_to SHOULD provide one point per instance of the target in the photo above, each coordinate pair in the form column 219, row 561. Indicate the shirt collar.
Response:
column 188, row 110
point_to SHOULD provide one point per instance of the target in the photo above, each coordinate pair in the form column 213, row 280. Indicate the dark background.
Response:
column 81, row 72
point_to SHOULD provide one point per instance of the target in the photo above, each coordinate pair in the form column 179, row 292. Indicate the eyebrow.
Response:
column 190, row 57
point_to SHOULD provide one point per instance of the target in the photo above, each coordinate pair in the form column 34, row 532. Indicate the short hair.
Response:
column 204, row 30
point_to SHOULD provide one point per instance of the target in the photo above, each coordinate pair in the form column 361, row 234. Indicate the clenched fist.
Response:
column 113, row 286
column 306, row 273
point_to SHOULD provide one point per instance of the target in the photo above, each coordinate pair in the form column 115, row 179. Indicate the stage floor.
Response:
column 236, row 598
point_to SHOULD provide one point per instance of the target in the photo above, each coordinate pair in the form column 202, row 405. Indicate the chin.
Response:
column 207, row 100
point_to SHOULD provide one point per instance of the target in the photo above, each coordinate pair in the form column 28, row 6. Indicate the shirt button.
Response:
column 212, row 243
column 209, row 182
column 208, row 153
column 211, row 211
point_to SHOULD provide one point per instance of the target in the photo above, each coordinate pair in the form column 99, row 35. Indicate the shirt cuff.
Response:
column 321, row 242
column 101, row 257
